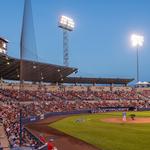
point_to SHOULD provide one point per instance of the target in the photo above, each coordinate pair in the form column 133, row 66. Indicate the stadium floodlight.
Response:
column 137, row 41
column 8, row 63
column 67, row 24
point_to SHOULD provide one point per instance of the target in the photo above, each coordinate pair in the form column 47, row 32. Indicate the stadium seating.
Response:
column 38, row 102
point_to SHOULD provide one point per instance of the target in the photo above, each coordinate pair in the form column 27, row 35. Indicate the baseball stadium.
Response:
column 48, row 106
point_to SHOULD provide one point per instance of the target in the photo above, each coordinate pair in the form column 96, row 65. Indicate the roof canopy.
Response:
column 10, row 70
column 37, row 71
column 85, row 80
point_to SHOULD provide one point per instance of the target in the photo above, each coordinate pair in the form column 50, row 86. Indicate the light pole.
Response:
column 67, row 24
column 137, row 41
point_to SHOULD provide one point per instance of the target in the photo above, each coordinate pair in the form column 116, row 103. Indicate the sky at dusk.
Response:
column 100, row 44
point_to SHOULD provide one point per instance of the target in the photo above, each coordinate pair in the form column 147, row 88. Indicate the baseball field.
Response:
column 107, row 131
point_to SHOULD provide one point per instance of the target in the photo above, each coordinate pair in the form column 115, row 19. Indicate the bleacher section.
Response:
column 37, row 100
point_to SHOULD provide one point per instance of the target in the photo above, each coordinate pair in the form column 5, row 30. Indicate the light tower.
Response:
column 137, row 41
column 67, row 24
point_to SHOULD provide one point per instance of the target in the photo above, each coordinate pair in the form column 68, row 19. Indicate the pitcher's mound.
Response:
column 129, row 120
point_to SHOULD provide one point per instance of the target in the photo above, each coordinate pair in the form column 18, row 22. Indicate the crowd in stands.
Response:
column 36, row 103
column 120, row 95
column 146, row 93
column 27, row 95
column 9, row 113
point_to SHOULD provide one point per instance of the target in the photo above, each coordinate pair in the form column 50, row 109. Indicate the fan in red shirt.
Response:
column 50, row 145
column 42, row 139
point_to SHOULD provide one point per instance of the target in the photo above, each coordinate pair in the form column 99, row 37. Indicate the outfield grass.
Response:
column 107, row 136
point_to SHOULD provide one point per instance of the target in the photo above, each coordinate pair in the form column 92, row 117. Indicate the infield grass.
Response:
column 107, row 136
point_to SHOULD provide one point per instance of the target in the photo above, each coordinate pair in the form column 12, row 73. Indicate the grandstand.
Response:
column 37, row 101
column 37, row 104
column 54, row 95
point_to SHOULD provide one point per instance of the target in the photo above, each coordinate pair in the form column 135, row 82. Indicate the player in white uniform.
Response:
column 124, row 116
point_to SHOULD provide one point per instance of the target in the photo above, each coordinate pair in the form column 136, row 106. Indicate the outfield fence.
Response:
column 33, row 119
column 143, row 109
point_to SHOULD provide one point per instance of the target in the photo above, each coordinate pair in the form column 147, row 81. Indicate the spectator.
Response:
column 1, row 148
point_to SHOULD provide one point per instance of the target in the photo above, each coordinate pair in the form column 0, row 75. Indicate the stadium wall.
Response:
column 33, row 119
column 53, row 88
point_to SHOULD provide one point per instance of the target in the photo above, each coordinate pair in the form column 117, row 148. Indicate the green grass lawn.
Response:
column 107, row 136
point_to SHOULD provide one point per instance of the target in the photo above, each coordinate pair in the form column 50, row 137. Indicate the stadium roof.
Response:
column 10, row 70
column 3, row 39
column 83, row 80
column 37, row 71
